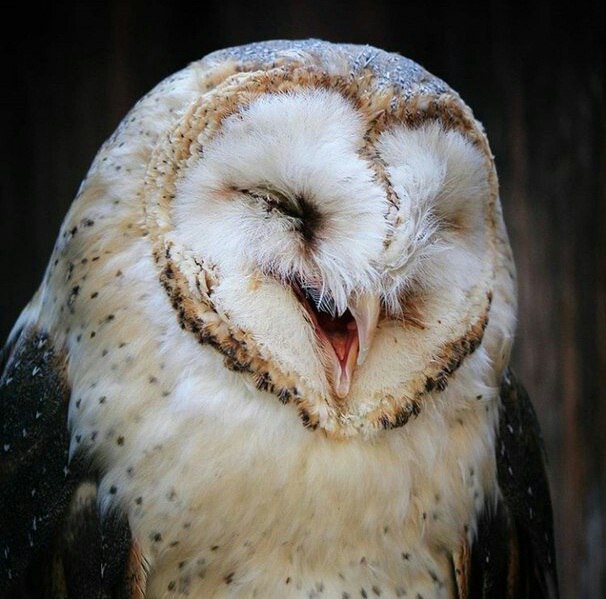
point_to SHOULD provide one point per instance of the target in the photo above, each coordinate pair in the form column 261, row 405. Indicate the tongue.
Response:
column 339, row 344
column 340, row 337
column 343, row 368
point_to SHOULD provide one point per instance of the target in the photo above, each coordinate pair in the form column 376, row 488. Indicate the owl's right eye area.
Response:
column 305, row 219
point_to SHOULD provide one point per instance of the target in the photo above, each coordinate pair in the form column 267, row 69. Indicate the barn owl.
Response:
column 269, row 356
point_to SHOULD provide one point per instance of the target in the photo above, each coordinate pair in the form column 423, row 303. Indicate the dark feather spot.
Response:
column 73, row 295
column 307, row 219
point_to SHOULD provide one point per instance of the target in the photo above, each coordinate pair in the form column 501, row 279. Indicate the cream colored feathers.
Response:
column 287, row 298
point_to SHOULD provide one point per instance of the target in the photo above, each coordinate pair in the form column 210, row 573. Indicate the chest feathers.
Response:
column 229, row 496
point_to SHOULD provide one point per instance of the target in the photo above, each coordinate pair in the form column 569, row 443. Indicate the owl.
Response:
column 269, row 356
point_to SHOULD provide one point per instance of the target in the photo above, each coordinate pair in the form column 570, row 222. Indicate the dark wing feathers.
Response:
column 513, row 555
column 42, row 528
column 100, row 569
column 35, row 488
column 525, row 487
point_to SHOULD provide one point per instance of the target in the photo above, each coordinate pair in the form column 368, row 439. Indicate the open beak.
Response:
column 345, row 340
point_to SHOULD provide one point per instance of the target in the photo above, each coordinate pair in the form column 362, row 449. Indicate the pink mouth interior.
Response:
column 341, row 332
column 337, row 334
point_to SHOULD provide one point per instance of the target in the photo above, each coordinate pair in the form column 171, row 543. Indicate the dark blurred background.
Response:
column 534, row 76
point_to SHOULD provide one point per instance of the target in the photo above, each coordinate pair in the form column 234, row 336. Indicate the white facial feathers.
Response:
column 287, row 192
column 441, row 181
column 293, row 157
column 282, row 188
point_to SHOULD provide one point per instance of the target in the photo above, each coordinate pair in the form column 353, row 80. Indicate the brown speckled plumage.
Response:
column 155, row 386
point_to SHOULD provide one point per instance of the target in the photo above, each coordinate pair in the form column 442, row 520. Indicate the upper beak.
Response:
column 365, row 309
column 342, row 362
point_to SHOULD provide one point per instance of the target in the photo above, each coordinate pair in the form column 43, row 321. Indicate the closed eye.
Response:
column 306, row 218
column 272, row 200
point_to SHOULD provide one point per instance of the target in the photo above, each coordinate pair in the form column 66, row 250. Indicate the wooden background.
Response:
column 534, row 76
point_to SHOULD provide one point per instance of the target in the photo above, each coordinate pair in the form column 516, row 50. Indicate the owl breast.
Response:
column 224, row 510
column 228, row 496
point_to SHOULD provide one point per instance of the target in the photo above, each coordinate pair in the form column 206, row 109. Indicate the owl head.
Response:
column 327, row 218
